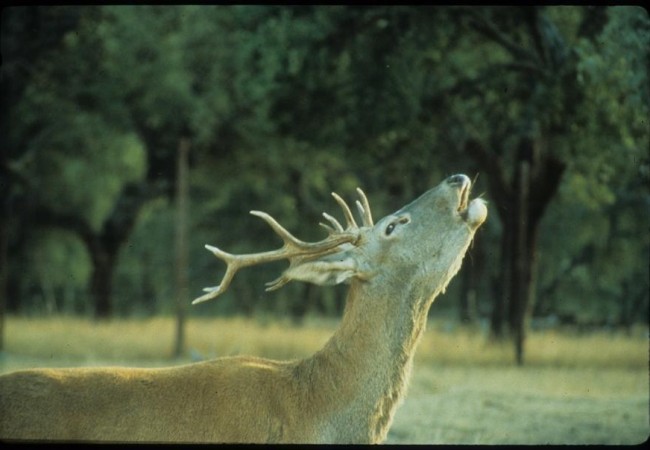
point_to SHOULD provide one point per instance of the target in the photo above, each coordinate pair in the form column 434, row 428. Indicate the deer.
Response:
column 346, row 392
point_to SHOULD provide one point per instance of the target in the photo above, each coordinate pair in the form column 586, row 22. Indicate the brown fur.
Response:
column 345, row 393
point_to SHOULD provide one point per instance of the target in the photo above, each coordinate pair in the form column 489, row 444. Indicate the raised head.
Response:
column 420, row 247
column 422, row 244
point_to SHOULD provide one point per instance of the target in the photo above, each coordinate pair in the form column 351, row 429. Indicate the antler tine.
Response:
column 287, row 237
column 293, row 249
column 349, row 218
column 232, row 268
column 336, row 225
column 364, row 209
column 277, row 283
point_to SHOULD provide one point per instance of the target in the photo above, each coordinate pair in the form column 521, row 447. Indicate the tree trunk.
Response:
column 536, row 181
column 181, row 262
column 6, row 191
column 101, row 282
column 472, row 273
column 4, row 268
column 520, row 261
column 147, row 284
column 467, row 304
column 520, row 206
column 501, row 289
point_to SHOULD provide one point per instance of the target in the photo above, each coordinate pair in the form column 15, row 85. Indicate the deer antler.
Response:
column 294, row 249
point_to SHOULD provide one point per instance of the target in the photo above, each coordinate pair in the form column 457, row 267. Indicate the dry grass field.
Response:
column 575, row 389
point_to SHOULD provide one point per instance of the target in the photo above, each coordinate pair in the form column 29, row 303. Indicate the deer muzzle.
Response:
column 472, row 212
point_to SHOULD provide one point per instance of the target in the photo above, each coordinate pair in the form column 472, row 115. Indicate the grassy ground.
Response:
column 575, row 389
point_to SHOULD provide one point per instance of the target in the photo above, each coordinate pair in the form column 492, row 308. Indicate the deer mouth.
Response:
column 474, row 212
column 463, row 196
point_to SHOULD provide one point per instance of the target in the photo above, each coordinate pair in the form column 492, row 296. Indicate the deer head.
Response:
column 426, row 237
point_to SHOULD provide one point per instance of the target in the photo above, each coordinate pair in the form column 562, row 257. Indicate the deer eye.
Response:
column 389, row 229
column 391, row 226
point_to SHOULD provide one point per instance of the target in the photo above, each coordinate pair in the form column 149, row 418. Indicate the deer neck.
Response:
column 367, row 362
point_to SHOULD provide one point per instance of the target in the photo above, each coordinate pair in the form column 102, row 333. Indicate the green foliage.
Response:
column 76, row 160
column 80, row 165
column 282, row 105
column 596, row 245
column 144, row 278
column 56, row 272
column 594, row 255
column 610, row 133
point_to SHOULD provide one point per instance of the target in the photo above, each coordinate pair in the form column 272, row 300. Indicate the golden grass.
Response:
column 142, row 340
column 238, row 336
column 574, row 389
column 584, row 382
column 555, row 348
column 69, row 339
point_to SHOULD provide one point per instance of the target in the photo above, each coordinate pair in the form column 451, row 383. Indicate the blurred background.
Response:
column 134, row 135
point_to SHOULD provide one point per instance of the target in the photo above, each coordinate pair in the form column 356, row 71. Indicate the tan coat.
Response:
column 345, row 393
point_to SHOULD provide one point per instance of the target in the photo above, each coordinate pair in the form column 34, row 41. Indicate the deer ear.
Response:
column 324, row 271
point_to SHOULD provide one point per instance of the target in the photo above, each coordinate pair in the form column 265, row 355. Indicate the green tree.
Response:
column 516, row 89
column 527, row 137
column 28, row 34
column 109, row 106
column 282, row 104
column 81, row 168
column 595, row 255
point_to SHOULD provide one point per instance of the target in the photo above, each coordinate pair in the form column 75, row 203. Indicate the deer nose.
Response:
column 458, row 179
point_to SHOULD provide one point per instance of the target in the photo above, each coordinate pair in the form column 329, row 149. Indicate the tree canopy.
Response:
column 283, row 104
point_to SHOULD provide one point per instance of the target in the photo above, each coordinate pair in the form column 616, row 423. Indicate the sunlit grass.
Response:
column 275, row 339
column 465, row 389
column 470, row 346
column 134, row 341
column 69, row 338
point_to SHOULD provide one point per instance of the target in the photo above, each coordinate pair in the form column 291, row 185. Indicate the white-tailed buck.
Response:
column 345, row 393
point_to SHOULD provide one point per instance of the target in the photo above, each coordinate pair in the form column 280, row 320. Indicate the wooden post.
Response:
column 522, row 261
column 181, row 260
column 4, row 244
